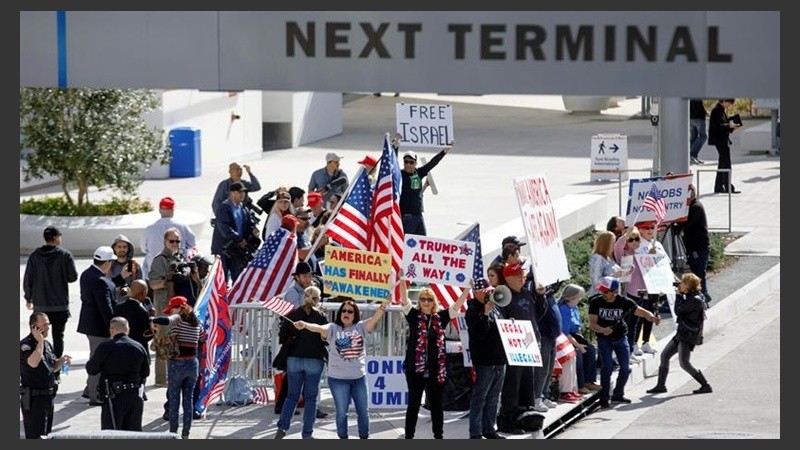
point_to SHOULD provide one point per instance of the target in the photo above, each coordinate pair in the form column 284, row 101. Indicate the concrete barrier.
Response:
column 82, row 235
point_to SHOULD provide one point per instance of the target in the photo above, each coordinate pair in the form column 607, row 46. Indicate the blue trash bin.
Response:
column 185, row 144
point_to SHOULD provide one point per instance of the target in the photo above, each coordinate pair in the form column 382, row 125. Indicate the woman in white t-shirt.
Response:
column 347, row 373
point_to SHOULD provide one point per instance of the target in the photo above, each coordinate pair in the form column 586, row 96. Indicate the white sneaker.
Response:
column 539, row 406
column 648, row 349
column 638, row 351
column 549, row 403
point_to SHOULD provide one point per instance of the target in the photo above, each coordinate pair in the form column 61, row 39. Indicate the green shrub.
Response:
column 59, row 206
column 717, row 256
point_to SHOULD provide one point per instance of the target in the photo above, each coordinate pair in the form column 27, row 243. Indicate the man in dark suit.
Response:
column 719, row 131
column 97, row 300
column 233, row 232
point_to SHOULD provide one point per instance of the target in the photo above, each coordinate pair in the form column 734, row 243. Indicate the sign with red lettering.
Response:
column 424, row 125
column 545, row 247
column 443, row 261
column 356, row 273
column 519, row 342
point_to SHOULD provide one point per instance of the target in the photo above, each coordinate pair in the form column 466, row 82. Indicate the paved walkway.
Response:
column 495, row 144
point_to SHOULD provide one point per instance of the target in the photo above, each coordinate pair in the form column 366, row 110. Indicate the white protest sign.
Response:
column 609, row 153
column 433, row 260
column 519, row 342
column 627, row 268
column 545, row 247
column 463, row 334
column 422, row 125
column 386, row 382
column 657, row 273
column 673, row 189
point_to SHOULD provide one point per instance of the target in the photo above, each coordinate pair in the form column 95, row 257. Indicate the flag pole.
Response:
column 333, row 214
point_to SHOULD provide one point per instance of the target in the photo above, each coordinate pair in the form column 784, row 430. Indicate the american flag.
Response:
column 269, row 272
column 260, row 395
column 386, row 233
column 215, row 355
column 278, row 305
column 655, row 203
column 349, row 345
column 349, row 226
column 564, row 352
column 447, row 294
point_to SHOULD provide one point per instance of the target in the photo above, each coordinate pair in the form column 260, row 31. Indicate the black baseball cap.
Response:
column 512, row 240
column 51, row 233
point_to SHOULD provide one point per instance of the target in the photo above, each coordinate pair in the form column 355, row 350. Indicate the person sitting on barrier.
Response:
column 572, row 326
column 306, row 360
column 123, row 364
column 425, row 361
column 347, row 368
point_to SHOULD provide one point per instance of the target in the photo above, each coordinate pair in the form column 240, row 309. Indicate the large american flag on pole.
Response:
column 269, row 272
column 349, row 226
column 215, row 356
column 655, row 202
column 386, row 233
column 447, row 294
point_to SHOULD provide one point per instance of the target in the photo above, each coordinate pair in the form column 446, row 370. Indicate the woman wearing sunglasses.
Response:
column 602, row 263
column 425, row 362
column 347, row 369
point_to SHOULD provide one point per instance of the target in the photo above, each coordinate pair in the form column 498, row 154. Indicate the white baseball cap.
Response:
column 332, row 157
column 410, row 154
column 104, row 253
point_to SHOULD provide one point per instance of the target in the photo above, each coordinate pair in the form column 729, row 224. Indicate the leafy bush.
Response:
column 60, row 206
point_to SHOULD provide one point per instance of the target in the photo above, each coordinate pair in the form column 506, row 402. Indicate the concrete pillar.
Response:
column 673, row 133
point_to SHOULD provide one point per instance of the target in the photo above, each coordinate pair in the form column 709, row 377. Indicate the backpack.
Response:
column 237, row 391
column 166, row 346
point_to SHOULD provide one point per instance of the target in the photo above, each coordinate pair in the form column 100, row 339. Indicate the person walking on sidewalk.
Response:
column 697, row 129
column 607, row 317
column 48, row 272
column 690, row 312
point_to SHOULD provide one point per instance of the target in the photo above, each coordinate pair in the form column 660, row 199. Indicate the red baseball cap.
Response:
column 166, row 203
column 289, row 222
column 176, row 302
column 369, row 161
column 314, row 199
column 645, row 224
column 513, row 270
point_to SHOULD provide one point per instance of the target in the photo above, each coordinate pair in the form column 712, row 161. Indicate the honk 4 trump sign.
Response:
column 440, row 261
column 356, row 273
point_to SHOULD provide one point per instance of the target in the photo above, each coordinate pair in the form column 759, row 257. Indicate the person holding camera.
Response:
column 37, row 377
column 235, row 237
column 124, row 269
column 690, row 314
column 329, row 180
column 122, row 365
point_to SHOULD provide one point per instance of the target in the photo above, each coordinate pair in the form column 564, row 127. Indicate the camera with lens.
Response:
column 676, row 283
column 248, row 203
column 181, row 270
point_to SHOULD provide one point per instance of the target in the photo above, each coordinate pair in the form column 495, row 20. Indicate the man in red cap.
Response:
column 650, row 301
column 524, row 305
column 608, row 313
column 317, row 205
column 153, row 237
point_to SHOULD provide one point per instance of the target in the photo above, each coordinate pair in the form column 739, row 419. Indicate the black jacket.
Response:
column 306, row 344
column 138, row 319
column 120, row 359
column 695, row 228
column 719, row 129
column 48, row 272
column 411, row 193
column 97, row 300
column 485, row 344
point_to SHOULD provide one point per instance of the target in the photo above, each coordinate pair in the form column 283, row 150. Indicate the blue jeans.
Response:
column 586, row 366
column 342, row 391
column 697, row 136
column 485, row 398
column 414, row 224
column 607, row 346
column 304, row 375
column 182, row 375
column 542, row 375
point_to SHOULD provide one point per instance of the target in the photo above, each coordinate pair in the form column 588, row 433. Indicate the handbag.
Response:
column 166, row 346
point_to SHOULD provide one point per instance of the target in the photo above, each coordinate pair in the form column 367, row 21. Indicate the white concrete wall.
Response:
column 313, row 115
column 221, row 138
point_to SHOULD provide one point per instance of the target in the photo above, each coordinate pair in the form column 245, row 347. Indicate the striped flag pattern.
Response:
column 269, row 272
column 447, row 294
column 278, row 305
column 349, row 226
column 564, row 352
column 215, row 356
column 386, row 233
column 260, row 395
column 655, row 202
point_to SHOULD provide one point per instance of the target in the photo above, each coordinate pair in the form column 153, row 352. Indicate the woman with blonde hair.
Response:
column 425, row 361
column 281, row 207
column 306, row 359
column 601, row 263
column 690, row 314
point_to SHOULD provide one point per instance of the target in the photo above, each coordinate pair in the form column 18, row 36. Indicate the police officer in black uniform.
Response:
column 123, row 364
column 38, row 370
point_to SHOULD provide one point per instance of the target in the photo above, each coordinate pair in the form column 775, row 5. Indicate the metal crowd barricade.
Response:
column 254, row 337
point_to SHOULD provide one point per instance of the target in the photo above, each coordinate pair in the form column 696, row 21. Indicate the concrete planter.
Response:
column 82, row 235
column 585, row 103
